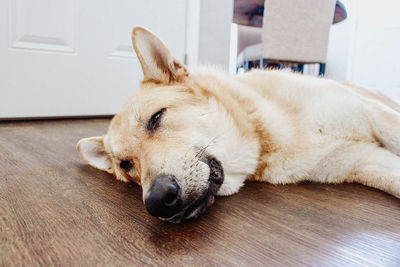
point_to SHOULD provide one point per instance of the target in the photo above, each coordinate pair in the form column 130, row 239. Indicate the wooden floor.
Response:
column 56, row 210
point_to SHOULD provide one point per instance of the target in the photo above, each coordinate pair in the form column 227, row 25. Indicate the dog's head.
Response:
column 162, row 138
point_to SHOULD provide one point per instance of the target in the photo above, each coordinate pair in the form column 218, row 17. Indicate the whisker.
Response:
column 203, row 149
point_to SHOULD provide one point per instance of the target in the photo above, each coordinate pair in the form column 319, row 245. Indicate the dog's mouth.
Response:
column 197, row 207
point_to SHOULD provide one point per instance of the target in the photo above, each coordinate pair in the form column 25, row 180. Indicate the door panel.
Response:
column 30, row 28
column 69, row 57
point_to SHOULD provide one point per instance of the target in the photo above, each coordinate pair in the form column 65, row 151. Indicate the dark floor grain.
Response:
column 55, row 210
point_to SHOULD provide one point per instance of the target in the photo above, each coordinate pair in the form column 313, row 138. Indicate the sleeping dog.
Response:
column 187, row 137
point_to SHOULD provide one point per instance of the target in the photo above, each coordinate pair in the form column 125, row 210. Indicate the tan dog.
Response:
column 188, row 137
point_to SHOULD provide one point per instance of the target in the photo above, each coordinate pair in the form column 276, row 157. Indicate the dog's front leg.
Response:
column 231, row 184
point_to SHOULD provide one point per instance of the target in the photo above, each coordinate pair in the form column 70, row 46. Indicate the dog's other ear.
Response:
column 92, row 151
column 157, row 62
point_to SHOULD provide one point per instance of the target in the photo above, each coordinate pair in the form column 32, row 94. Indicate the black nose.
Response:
column 164, row 199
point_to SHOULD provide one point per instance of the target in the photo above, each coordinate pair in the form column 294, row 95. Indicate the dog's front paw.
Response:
column 230, row 186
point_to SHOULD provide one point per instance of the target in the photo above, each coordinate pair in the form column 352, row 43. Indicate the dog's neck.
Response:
column 252, row 120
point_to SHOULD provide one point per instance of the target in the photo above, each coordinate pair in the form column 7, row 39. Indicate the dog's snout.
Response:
column 164, row 198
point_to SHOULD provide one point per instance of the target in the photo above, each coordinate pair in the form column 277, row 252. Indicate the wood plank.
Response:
column 55, row 210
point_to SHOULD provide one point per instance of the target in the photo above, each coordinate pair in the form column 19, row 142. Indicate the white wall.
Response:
column 376, row 61
column 341, row 43
column 192, row 33
column 209, row 32
column 365, row 48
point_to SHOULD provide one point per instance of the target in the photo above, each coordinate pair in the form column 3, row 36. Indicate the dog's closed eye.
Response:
column 126, row 165
column 154, row 122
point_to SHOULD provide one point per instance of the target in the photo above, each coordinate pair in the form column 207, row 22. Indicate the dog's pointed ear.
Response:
column 157, row 62
column 92, row 151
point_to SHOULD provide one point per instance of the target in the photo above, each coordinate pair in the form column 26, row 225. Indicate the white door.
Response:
column 74, row 57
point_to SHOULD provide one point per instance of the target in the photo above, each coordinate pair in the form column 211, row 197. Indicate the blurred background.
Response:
column 74, row 58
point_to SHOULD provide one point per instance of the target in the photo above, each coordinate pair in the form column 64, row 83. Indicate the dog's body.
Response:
column 213, row 129
column 288, row 128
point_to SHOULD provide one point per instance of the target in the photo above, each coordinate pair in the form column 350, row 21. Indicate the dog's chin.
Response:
column 197, row 207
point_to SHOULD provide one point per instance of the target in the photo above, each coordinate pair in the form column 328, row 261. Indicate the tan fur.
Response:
column 368, row 93
column 264, row 125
